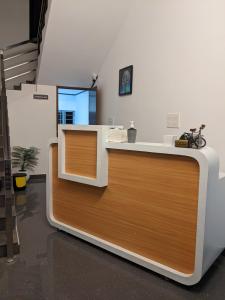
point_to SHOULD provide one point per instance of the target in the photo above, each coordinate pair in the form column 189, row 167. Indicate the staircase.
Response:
column 18, row 64
column 9, row 242
column 21, row 60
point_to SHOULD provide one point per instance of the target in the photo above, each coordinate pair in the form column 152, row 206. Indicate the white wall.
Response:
column 82, row 116
column 32, row 122
column 177, row 48
column 76, row 39
column 67, row 102
column 14, row 22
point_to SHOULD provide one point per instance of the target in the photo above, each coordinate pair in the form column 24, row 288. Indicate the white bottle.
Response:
column 131, row 133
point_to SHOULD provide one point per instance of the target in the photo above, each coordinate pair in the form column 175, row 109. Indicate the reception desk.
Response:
column 156, row 205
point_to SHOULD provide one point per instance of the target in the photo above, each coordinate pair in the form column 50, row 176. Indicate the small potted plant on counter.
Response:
column 25, row 159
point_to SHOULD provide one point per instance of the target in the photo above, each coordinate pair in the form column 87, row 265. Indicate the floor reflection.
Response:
column 26, row 202
column 56, row 266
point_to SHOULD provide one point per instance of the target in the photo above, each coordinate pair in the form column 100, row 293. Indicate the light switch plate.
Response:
column 173, row 120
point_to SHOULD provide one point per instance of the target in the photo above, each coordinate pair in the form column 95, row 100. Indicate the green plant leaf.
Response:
column 25, row 158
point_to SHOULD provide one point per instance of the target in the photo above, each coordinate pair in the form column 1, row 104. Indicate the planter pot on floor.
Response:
column 19, row 181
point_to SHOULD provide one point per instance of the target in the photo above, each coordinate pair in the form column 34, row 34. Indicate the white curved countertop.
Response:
column 210, row 237
column 160, row 148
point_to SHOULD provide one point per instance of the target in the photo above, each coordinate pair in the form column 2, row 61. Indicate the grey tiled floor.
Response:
column 56, row 266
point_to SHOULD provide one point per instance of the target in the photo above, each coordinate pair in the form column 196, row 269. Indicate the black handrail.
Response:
column 2, row 74
column 44, row 6
column 40, row 21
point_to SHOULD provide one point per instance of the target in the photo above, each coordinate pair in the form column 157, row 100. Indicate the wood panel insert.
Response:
column 149, row 206
column 81, row 152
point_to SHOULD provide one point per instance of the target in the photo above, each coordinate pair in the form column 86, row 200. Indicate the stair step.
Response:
column 3, row 241
column 18, row 87
column 20, row 69
column 20, row 49
column 30, row 81
column 2, row 200
column 21, row 58
column 1, row 152
column 22, row 79
column 2, row 212
column 3, row 237
column 3, row 188
column 2, row 192
column 2, row 166
column 3, row 223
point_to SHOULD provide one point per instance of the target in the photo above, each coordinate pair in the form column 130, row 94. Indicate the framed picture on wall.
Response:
column 126, row 81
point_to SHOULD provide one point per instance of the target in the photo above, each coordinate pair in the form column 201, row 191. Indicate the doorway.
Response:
column 76, row 106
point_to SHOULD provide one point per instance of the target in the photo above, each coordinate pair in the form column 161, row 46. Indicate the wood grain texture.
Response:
column 149, row 206
column 81, row 152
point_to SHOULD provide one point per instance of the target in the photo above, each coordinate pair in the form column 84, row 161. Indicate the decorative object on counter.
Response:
column 126, row 81
column 194, row 138
column 117, row 135
column 169, row 139
column 24, row 159
column 131, row 133
column 181, row 143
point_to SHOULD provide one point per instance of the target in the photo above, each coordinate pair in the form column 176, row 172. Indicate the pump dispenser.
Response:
column 131, row 133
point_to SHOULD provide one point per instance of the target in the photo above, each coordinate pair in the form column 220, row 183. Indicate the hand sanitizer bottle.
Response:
column 131, row 133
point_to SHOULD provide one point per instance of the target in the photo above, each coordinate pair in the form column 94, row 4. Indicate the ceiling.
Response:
column 77, row 38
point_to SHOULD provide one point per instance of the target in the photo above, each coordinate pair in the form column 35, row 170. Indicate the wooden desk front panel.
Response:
column 81, row 152
column 149, row 206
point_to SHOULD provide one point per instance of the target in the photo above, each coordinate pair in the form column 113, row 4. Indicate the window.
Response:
column 69, row 115
column 60, row 117
column 66, row 117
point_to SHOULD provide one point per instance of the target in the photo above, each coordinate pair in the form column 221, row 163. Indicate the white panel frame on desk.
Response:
column 101, row 179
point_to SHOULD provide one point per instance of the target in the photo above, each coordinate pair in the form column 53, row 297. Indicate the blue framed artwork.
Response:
column 126, row 81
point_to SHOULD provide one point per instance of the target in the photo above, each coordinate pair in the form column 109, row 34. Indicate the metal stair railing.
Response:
column 44, row 7
column 5, row 168
column 6, row 171
column 8, row 185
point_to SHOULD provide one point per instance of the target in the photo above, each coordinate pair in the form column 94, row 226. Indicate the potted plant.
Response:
column 25, row 159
